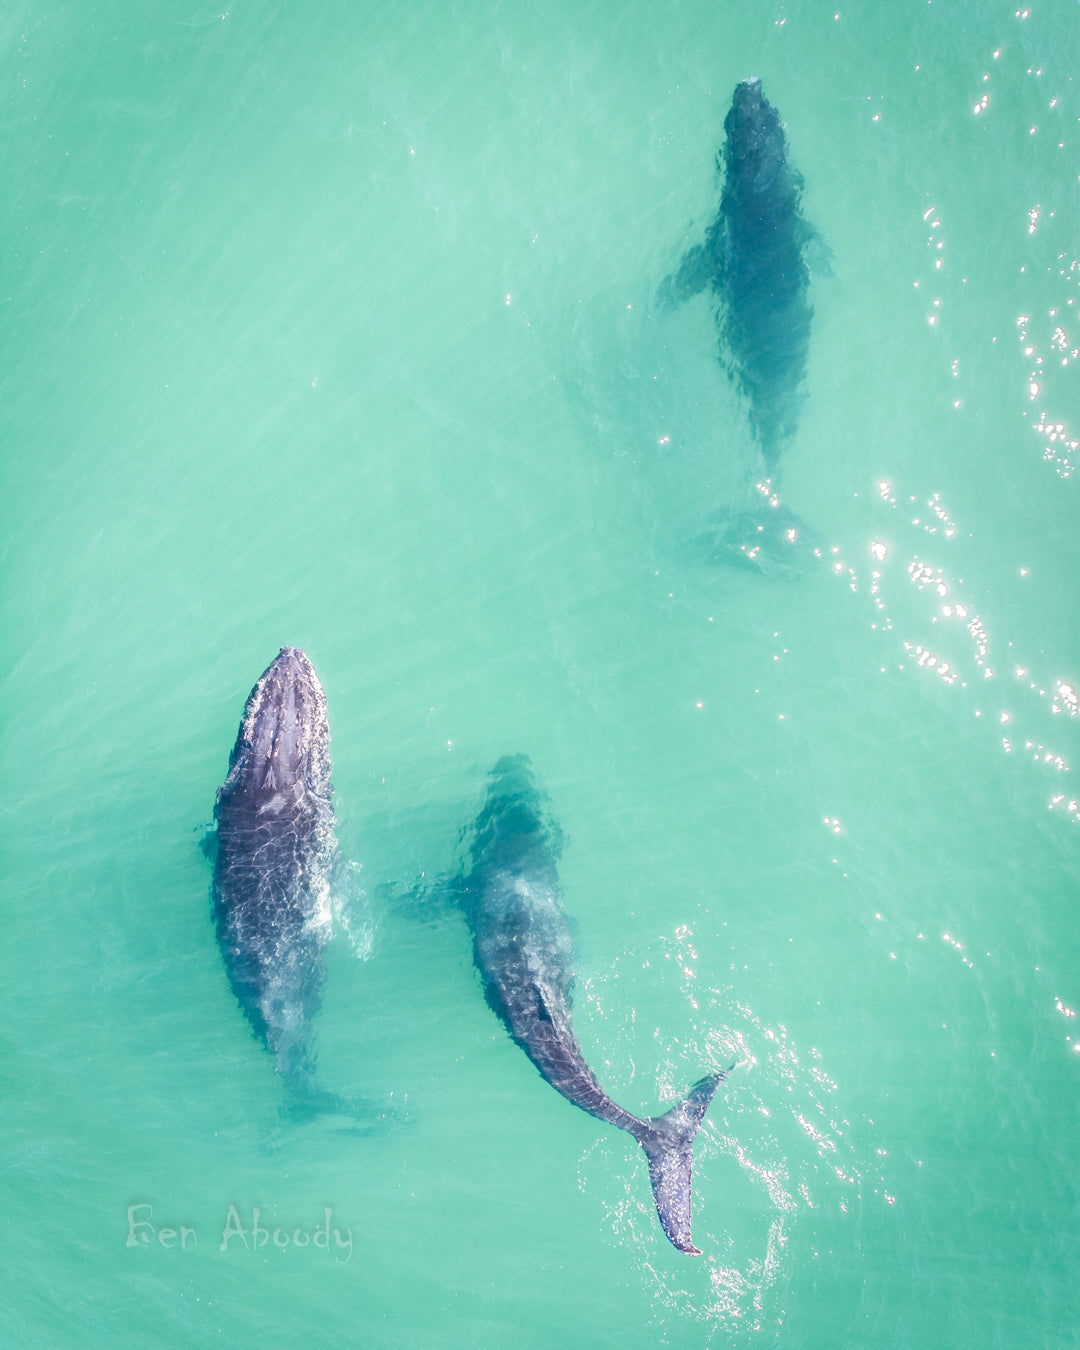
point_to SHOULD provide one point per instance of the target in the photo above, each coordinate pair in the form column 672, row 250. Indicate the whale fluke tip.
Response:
column 668, row 1144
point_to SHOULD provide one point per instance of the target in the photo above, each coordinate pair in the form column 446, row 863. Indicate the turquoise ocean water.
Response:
column 336, row 326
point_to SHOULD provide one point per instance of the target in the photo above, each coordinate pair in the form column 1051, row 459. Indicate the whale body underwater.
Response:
column 276, row 852
column 524, row 953
column 754, row 261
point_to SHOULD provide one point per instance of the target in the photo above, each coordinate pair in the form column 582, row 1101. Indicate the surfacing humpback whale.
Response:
column 276, row 853
column 523, row 949
column 753, row 258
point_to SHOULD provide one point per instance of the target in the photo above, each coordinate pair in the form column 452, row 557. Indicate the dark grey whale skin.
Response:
column 753, row 259
column 276, row 851
column 523, row 950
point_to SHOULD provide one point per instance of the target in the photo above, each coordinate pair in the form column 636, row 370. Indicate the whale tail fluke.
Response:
column 306, row 1102
column 764, row 537
column 668, row 1143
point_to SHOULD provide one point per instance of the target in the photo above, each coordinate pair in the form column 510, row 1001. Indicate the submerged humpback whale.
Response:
column 275, row 856
column 523, row 949
column 754, row 260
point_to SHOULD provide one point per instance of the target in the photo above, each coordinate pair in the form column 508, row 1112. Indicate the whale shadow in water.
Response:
column 754, row 261
column 523, row 949
column 275, row 860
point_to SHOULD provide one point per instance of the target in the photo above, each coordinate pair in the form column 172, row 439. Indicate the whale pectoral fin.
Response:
column 208, row 844
column 668, row 1144
column 694, row 274
column 818, row 255
column 544, row 1011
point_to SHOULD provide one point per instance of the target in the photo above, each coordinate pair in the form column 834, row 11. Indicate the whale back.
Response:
column 276, row 851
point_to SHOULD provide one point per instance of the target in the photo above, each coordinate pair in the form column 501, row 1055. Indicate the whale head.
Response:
column 754, row 151
column 281, row 753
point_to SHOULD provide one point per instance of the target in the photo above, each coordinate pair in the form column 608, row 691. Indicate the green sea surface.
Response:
column 336, row 326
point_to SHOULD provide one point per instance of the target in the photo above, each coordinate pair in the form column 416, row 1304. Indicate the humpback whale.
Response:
column 523, row 950
column 275, row 856
column 753, row 258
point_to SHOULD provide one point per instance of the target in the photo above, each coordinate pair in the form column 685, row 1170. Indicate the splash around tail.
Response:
column 668, row 1144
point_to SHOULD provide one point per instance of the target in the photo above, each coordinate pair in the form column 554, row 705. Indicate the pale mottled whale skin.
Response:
column 523, row 950
column 753, row 258
column 276, row 852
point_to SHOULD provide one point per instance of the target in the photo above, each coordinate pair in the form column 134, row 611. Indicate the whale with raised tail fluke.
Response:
column 523, row 950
